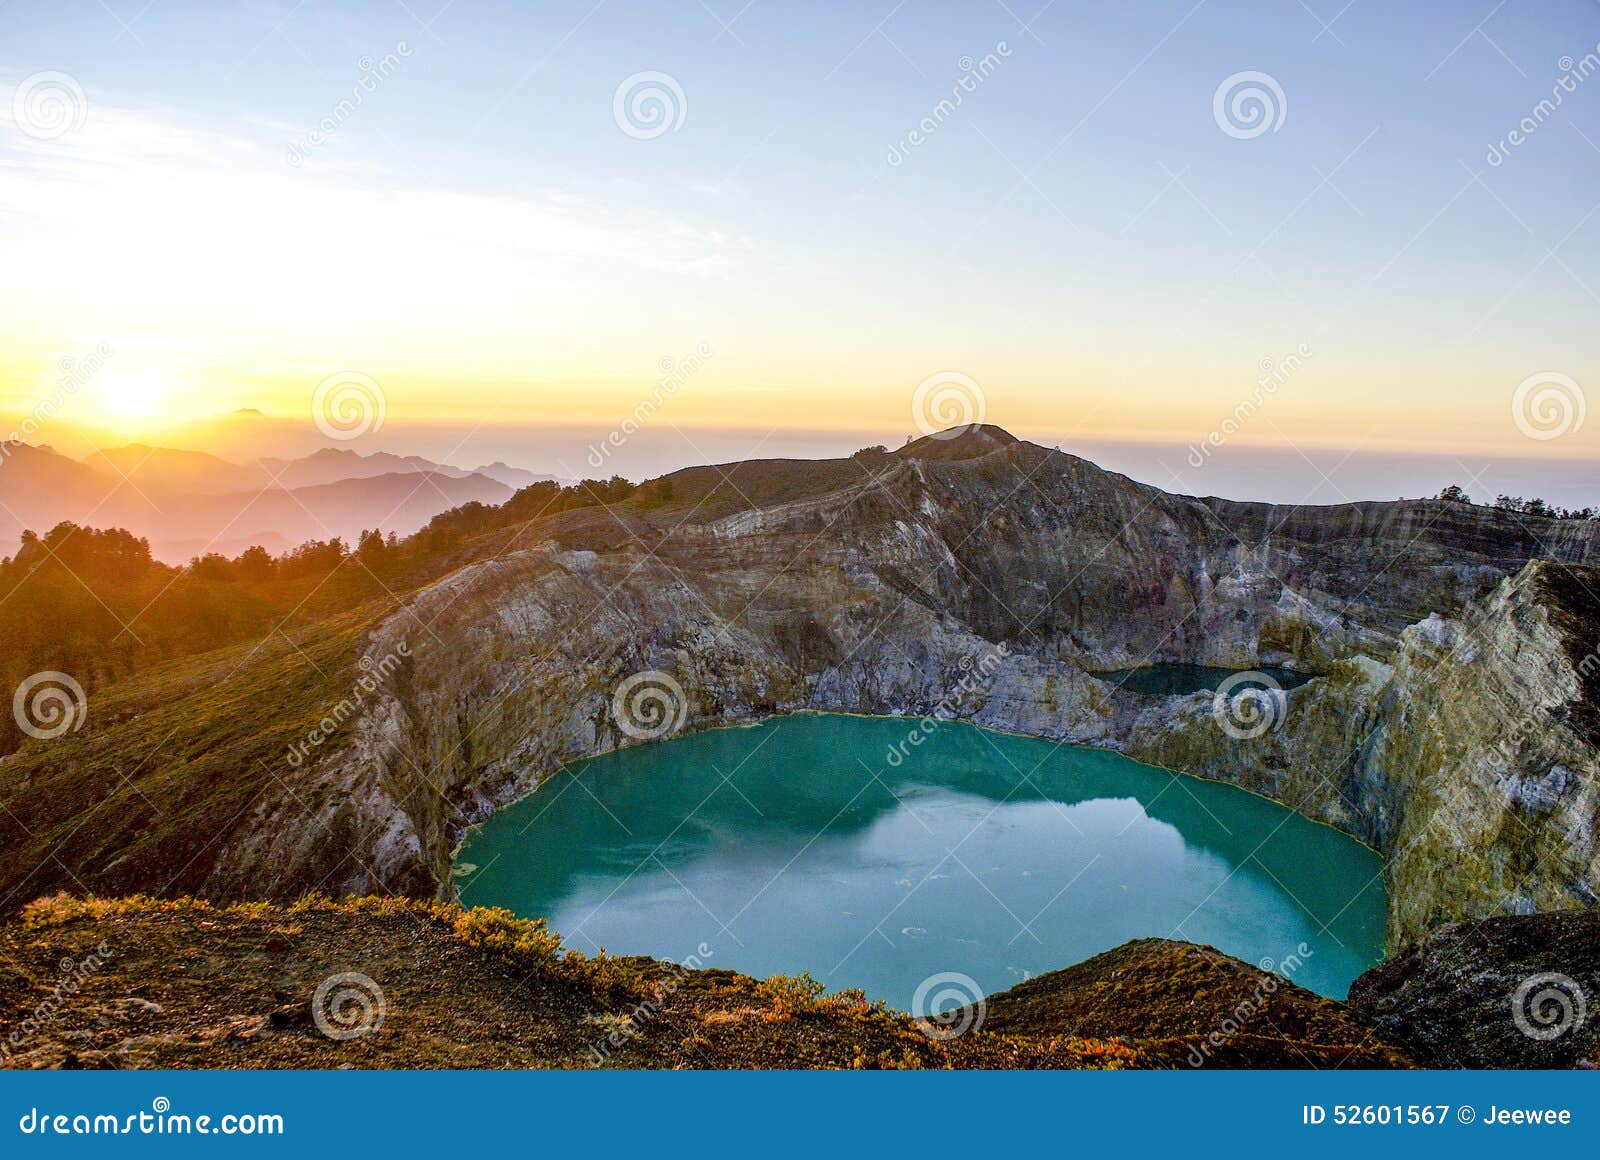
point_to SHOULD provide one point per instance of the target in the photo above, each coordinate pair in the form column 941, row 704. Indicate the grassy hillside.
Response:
column 200, row 679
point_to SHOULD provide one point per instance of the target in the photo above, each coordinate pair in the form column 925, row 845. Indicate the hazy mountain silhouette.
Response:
column 331, row 464
column 188, row 503
column 512, row 477
column 167, row 469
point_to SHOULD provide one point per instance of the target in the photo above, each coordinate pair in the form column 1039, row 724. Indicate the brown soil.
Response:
column 187, row 984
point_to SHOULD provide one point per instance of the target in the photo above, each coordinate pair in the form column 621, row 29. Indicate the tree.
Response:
column 1536, row 507
column 254, row 565
column 212, row 566
column 1454, row 494
column 371, row 548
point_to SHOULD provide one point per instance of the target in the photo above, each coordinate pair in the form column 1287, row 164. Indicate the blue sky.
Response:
column 1080, row 237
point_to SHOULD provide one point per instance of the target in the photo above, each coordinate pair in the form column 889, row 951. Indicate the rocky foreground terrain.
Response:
column 1453, row 725
column 386, row 983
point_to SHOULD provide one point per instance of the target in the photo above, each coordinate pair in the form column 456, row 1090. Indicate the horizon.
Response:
column 1285, row 476
column 976, row 216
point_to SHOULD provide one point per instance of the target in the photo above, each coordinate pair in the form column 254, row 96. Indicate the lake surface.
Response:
column 797, row 845
column 1179, row 680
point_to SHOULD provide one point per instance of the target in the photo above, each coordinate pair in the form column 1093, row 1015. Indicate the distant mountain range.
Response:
column 195, row 471
column 189, row 502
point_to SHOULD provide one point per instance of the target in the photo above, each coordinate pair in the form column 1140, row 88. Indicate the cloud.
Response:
column 149, row 223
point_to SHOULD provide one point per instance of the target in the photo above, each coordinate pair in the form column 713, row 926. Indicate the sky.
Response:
column 699, row 231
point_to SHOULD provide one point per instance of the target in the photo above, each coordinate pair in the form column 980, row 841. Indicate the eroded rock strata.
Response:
column 1451, row 730
column 1453, row 727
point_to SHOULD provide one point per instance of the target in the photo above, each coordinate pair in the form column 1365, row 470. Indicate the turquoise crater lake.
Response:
column 796, row 845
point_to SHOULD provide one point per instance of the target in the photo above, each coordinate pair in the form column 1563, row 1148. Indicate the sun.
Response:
column 131, row 396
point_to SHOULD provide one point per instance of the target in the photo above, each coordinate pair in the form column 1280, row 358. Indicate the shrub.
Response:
column 790, row 995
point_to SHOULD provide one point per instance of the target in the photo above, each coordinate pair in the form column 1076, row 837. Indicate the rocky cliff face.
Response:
column 1505, row 992
column 1468, row 759
column 980, row 577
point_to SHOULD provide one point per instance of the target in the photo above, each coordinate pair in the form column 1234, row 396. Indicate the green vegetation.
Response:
column 1515, row 503
column 169, row 763
column 176, row 753
column 96, row 605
